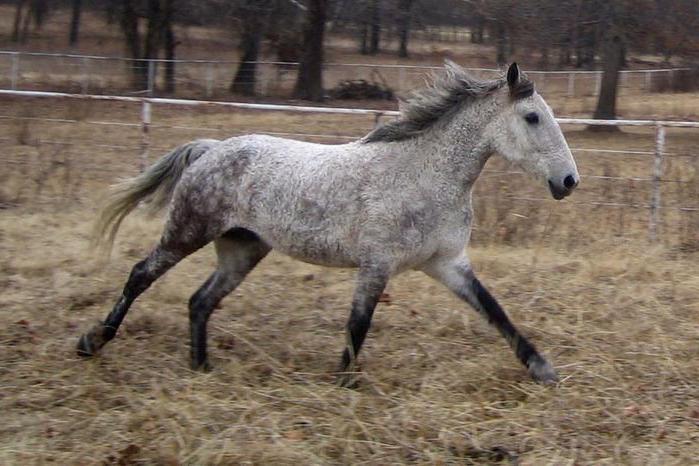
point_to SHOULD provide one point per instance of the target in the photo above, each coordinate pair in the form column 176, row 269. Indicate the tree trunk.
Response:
column 129, row 24
column 26, row 20
column 501, row 44
column 375, row 27
column 404, row 26
column 364, row 38
column 309, row 85
column 613, row 57
column 19, row 10
column 245, row 77
column 154, row 38
column 75, row 22
column 477, row 29
column 170, row 44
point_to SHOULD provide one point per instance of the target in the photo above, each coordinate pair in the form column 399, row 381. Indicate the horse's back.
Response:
column 299, row 197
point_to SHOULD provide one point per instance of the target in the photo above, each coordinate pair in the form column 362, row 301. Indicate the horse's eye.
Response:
column 532, row 118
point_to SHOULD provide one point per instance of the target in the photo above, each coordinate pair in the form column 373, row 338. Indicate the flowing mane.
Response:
column 443, row 95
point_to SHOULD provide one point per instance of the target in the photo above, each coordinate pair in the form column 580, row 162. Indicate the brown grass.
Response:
column 616, row 314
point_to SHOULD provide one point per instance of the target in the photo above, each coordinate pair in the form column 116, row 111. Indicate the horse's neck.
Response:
column 455, row 152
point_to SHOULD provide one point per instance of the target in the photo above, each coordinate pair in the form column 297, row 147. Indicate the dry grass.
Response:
column 439, row 386
column 617, row 316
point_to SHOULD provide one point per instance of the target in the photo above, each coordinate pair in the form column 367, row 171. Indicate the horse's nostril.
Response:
column 569, row 182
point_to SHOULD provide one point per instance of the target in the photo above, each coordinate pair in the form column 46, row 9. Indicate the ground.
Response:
column 616, row 314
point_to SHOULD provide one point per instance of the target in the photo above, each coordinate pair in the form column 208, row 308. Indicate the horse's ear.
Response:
column 512, row 74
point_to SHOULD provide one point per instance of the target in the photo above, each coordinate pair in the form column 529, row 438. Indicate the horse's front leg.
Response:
column 458, row 276
column 371, row 281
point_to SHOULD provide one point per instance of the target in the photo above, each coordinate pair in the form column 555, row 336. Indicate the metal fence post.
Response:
column 598, row 83
column 14, row 72
column 648, row 81
column 85, row 81
column 151, row 77
column 209, row 79
column 262, row 82
column 377, row 119
column 657, row 175
column 571, row 84
column 145, row 133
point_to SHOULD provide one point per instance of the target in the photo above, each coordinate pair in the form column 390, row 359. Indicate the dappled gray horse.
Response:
column 397, row 199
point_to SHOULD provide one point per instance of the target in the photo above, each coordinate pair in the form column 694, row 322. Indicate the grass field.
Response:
column 616, row 314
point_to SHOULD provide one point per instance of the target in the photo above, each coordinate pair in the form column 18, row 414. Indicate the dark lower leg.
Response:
column 239, row 251
column 496, row 316
column 526, row 352
column 142, row 276
column 369, row 288
column 200, row 309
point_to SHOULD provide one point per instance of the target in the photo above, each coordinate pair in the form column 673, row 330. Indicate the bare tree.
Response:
column 309, row 84
column 375, row 38
column 25, row 12
column 251, row 17
column 158, row 16
column 76, row 10
column 405, row 13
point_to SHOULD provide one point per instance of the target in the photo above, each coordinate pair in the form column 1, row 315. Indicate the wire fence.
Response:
column 91, row 74
column 663, row 175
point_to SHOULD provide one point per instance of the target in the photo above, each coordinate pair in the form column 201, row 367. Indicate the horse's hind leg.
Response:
column 371, row 281
column 238, row 251
column 143, row 274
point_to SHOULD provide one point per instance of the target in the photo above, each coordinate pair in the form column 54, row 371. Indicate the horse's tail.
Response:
column 156, row 184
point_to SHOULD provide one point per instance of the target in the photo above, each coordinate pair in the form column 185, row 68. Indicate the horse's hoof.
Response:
column 203, row 367
column 85, row 349
column 91, row 343
column 348, row 380
column 543, row 372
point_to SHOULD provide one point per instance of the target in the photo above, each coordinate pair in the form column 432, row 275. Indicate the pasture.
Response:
column 615, row 314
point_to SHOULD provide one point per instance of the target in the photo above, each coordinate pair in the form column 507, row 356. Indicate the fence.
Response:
column 654, row 204
column 208, row 78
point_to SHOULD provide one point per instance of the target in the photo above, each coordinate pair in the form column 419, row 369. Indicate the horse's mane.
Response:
column 441, row 98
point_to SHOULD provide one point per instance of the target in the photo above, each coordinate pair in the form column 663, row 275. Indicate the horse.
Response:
column 397, row 199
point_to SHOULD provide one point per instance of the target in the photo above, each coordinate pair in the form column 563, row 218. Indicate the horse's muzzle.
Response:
column 563, row 189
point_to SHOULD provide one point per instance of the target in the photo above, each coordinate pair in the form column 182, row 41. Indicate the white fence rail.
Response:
column 655, row 178
column 210, row 77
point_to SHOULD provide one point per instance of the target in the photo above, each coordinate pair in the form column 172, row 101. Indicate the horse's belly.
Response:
column 316, row 251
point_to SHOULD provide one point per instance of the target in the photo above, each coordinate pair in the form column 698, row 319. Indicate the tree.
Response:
column 617, row 21
column 375, row 38
column 25, row 11
column 170, row 43
column 404, row 18
column 77, row 6
column 309, row 84
column 612, row 60
column 251, row 20
column 158, row 16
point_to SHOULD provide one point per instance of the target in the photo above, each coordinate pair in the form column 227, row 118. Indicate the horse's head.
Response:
column 526, row 133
